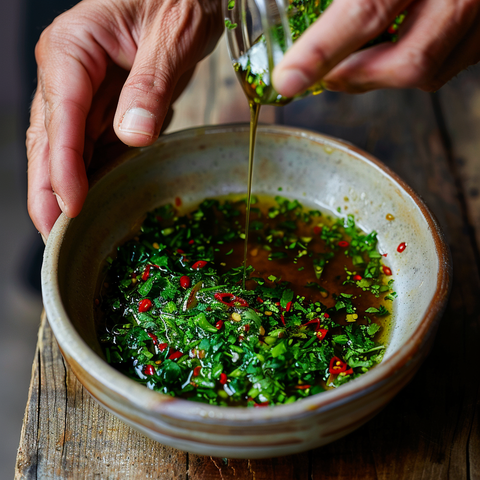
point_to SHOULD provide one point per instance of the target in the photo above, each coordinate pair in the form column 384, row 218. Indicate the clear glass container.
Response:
column 259, row 32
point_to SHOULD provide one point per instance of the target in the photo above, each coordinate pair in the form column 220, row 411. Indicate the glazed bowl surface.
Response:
column 210, row 162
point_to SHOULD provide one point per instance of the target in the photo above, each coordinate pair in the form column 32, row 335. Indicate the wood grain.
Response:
column 431, row 429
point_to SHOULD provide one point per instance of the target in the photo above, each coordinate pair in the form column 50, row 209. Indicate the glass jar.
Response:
column 259, row 32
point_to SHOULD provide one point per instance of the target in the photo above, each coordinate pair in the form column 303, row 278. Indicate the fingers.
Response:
column 428, row 37
column 42, row 204
column 342, row 29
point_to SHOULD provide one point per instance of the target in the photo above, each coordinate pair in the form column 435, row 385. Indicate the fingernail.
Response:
column 290, row 82
column 60, row 202
column 138, row 120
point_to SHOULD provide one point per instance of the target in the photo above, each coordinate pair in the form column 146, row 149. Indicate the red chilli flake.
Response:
column 239, row 302
column 263, row 404
column 282, row 319
column 191, row 242
column 343, row 244
column 185, row 281
column 175, row 354
column 311, row 322
column 357, row 277
column 153, row 337
column 145, row 305
column 337, row 366
column 225, row 298
column 179, row 250
column 223, row 378
column 219, row 325
column 288, row 307
column 196, row 371
column 162, row 346
column 386, row 270
column 146, row 273
column 392, row 29
column 149, row 370
column 199, row 264
column 401, row 247
column 321, row 333
column 302, row 387
column 230, row 300
column 317, row 230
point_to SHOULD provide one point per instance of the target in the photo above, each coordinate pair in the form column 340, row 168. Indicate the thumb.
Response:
column 145, row 98
column 166, row 51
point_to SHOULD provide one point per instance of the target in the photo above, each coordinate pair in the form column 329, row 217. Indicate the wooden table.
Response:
column 431, row 429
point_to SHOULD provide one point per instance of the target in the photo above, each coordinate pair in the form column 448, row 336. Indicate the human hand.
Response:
column 437, row 40
column 85, row 95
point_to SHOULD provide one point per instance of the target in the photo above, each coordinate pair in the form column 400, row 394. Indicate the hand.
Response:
column 437, row 40
column 86, row 96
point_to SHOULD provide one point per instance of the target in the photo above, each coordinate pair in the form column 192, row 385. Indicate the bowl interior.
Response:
column 212, row 161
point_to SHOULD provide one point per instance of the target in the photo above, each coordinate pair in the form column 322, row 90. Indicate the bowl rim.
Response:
column 146, row 400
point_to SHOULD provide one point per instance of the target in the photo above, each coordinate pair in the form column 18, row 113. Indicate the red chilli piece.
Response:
column 199, row 264
column 259, row 300
column 146, row 273
column 357, row 277
column 326, row 315
column 180, row 251
column 315, row 320
column 225, row 298
column 223, row 378
column 239, row 302
column 337, row 366
column 145, row 305
column 386, row 270
column 401, row 247
column 149, row 370
column 282, row 319
column 246, row 328
column 392, row 29
column 191, row 242
column 263, row 404
column 288, row 307
column 162, row 346
column 196, row 371
column 153, row 337
column 303, row 387
column 343, row 243
column 178, row 202
column 175, row 354
column 219, row 325
column 321, row 333
column 185, row 281
column 317, row 230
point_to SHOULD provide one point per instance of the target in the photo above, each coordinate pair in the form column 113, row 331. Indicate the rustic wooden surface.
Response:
column 431, row 430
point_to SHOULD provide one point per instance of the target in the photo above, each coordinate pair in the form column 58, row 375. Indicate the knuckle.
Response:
column 418, row 68
column 149, row 81
column 371, row 15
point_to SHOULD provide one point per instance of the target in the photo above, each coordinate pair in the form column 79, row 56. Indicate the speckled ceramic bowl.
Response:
column 212, row 161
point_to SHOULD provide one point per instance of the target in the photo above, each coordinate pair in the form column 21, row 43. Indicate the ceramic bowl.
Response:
column 212, row 161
